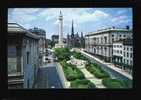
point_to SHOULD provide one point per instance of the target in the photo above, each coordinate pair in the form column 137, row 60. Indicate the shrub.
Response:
column 97, row 71
column 62, row 53
column 78, row 55
column 71, row 71
column 114, row 83
column 83, row 83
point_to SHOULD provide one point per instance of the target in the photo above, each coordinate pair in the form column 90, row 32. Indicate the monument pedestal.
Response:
column 62, row 45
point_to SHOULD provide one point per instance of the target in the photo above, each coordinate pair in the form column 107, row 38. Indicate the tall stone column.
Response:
column 60, row 28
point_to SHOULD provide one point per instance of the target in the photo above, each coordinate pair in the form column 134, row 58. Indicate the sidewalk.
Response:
column 110, row 65
column 92, row 78
column 89, row 76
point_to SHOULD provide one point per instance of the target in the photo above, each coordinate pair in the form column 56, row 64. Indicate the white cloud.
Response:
column 27, row 10
column 80, row 15
column 120, row 19
column 22, row 15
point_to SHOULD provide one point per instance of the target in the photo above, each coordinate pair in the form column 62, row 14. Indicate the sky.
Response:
column 85, row 19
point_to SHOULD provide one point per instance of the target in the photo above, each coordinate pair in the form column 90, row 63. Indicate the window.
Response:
column 127, row 48
column 105, row 38
column 120, row 46
column 119, row 35
column 101, row 40
column 12, row 59
column 12, row 51
column 28, row 83
column 124, row 35
column 120, row 52
column 127, row 62
column 131, row 55
column 117, row 51
column 127, row 54
column 131, row 48
column 27, row 57
column 112, row 35
column 124, row 48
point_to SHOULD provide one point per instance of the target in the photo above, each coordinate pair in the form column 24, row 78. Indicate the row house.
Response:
column 100, row 43
column 123, row 54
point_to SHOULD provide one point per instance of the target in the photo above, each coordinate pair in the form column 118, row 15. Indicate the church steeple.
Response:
column 81, row 35
column 72, row 29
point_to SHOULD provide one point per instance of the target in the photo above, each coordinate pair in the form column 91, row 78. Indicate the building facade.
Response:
column 23, row 57
column 55, row 39
column 42, row 42
column 100, row 43
column 123, row 54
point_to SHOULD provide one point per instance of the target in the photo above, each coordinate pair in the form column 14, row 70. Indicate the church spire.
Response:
column 81, row 35
column 72, row 29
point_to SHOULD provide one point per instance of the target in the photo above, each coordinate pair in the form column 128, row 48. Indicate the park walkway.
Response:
column 89, row 76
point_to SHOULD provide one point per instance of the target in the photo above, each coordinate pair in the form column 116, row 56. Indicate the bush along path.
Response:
column 91, row 77
column 100, row 75
column 87, row 73
column 75, row 76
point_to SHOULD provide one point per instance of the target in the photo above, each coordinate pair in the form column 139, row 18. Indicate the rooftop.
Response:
column 109, row 30
column 16, row 28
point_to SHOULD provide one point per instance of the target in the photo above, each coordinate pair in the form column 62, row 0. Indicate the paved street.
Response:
column 48, row 76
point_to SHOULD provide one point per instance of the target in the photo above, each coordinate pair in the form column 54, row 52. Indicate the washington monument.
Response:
column 60, row 44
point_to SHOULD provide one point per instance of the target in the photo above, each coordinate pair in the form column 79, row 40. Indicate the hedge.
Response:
column 83, row 83
column 114, row 83
column 97, row 71
column 78, row 55
column 71, row 71
column 62, row 53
